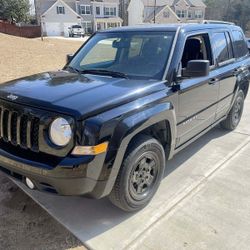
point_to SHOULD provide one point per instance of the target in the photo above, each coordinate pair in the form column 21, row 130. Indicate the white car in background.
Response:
column 76, row 30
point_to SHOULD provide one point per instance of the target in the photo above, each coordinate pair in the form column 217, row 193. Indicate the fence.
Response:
column 23, row 31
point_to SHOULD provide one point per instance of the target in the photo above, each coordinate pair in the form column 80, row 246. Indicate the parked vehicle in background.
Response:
column 127, row 101
column 76, row 30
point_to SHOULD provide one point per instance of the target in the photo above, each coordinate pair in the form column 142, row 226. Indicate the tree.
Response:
column 14, row 10
column 236, row 11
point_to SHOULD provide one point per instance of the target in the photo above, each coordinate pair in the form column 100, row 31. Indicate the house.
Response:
column 165, row 11
column 56, row 16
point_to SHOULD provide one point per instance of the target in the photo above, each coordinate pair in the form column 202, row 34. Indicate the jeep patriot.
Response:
column 126, row 102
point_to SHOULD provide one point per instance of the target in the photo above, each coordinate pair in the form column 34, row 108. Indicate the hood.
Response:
column 75, row 94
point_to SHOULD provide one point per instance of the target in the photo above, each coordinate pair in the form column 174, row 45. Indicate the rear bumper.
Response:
column 65, row 179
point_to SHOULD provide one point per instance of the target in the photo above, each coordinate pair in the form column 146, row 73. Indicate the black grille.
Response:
column 19, row 129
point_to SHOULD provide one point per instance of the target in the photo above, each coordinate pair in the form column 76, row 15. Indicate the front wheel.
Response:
column 140, row 174
column 234, row 116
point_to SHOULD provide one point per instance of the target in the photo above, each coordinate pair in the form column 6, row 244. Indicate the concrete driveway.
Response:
column 203, row 202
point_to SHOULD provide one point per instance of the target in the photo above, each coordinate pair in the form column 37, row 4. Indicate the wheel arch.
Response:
column 151, row 121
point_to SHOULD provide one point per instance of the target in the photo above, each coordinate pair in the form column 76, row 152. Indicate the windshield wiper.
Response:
column 104, row 72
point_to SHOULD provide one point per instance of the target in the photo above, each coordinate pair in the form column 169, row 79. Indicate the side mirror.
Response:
column 197, row 68
column 69, row 58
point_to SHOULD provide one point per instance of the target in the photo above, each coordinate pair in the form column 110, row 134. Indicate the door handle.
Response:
column 213, row 81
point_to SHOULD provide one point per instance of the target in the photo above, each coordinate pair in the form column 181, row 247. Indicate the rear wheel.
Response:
column 234, row 116
column 140, row 174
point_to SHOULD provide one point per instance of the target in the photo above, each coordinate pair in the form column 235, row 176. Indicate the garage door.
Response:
column 53, row 29
column 66, row 28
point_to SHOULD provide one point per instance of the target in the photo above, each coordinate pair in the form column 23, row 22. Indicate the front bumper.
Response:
column 73, row 176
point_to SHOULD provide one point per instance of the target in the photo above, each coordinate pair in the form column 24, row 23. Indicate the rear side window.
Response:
column 222, row 50
column 240, row 46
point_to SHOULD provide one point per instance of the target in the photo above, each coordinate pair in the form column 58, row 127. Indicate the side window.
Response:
column 240, row 46
column 197, row 47
column 221, row 48
column 230, row 46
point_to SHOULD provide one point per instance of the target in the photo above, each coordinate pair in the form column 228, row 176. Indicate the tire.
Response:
column 140, row 174
column 235, row 114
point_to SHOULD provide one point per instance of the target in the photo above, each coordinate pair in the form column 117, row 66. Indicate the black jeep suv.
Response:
column 129, row 99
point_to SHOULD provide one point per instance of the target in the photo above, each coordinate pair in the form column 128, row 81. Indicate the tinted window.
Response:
column 220, row 47
column 240, row 46
column 230, row 46
column 197, row 47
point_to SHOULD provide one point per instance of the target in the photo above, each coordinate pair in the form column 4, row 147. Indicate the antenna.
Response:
column 154, row 10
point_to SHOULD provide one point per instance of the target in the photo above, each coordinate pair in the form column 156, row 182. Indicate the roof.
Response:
column 158, row 10
column 63, row 3
column 158, row 2
column 195, row 3
column 169, row 27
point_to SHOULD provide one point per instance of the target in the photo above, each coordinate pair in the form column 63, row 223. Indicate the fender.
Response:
column 133, row 125
column 241, row 80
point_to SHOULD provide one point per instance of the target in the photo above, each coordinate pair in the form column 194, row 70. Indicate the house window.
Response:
column 60, row 10
column 190, row 15
column 98, row 10
column 166, row 14
column 109, row 11
column 181, row 13
column 85, row 10
column 198, row 14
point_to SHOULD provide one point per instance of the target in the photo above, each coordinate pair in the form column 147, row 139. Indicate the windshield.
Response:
column 134, row 54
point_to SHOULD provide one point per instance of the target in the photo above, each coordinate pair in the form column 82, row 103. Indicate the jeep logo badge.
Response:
column 12, row 97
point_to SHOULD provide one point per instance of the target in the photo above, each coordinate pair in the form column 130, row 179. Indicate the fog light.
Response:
column 29, row 183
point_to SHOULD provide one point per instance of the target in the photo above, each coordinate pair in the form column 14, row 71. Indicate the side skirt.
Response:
column 177, row 150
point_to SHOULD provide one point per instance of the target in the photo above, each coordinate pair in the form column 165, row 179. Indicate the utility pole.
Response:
column 37, row 4
column 154, row 10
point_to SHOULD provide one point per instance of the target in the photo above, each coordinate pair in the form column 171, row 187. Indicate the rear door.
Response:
column 198, row 96
column 225, row 63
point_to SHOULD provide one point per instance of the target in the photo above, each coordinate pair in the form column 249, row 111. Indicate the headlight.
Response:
column 60, row 132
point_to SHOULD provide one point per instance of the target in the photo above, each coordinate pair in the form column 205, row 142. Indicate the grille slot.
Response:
column 5, row 121
column 23, row 131
column 19, row 129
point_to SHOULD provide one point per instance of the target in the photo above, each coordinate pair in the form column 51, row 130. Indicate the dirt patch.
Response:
column 22, row 57
column 23, row 224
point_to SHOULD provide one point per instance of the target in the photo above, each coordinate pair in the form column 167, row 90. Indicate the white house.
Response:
column 165, row 11
column 56, row 16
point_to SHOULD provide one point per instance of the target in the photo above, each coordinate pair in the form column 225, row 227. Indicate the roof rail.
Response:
column 217, row 22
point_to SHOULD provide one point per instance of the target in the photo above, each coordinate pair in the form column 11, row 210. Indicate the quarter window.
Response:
column 221, row 47
column 240, row 46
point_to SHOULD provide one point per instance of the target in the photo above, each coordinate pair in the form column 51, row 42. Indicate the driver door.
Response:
column 198, row 96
